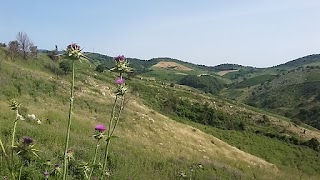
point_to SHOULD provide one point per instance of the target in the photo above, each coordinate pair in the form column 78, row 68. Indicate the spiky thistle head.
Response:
column 14, row 105
column 122, row 88
column 121, row 65
column 73, row 52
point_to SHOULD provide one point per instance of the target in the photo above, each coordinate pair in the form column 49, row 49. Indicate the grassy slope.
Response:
column 291, row 158
column 151, row 146
column 284, row 94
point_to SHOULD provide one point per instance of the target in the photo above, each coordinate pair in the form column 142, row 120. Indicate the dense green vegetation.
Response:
column 254, row 81
column 300, row 62
column 224, row 67
column 294, row 95
column 206, row 83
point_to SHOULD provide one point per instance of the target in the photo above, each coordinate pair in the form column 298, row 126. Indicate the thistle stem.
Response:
column 13, row 138
column 7, row 159
column 106, row 152
column 110, row 132
column 65, row 164
column 120, row 111
column 94, row 158
column 112, row 115
column 105, row 157
column 20, row 171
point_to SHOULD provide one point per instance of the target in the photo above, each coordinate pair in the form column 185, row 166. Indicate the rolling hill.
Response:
column 167, row 131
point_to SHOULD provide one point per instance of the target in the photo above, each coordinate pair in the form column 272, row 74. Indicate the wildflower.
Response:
column 57, row 167
column 27, row 141
column 73, row 46
column 70, row 154
column 73, row 51
column 25, row 149
column 120, row 59
column 46, row 174
column 57, row 170
column 14, row 105
column 119, row 81
column 69, row 151
column 39, row 121
column 100, row 127
column 121, row 65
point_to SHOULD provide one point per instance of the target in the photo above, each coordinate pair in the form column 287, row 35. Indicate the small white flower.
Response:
column 39, row 122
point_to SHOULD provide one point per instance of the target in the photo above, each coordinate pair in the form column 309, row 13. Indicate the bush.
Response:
column 313, row 143
column 66, row 66
column 101, row 67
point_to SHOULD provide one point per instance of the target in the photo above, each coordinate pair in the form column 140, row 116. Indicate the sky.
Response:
column 260, row 33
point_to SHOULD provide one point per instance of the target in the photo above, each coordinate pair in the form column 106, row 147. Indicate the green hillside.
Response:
column 284, row 89
column 167, row 131
column 310, row 60
column 295, row 94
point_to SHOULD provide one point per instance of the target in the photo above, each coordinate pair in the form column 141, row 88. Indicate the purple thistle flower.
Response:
column 119, row 81
column 100, row 127
column 120, row 58
column 73, row 46
column 27, row 141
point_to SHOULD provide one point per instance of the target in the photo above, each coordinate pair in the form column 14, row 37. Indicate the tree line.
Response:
column 21, row 46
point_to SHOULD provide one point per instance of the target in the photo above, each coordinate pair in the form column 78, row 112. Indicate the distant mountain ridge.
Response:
column 302, row 61
column 313, row 58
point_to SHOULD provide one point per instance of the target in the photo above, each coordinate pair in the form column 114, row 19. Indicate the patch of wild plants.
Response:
column 22, row 157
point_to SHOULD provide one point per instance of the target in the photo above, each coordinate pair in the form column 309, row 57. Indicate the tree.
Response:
column 33, row 50
column 13, row 49
column 24, row 43
column 3, row 45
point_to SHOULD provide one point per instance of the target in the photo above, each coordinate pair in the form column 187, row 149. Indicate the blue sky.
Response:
column 258, row 33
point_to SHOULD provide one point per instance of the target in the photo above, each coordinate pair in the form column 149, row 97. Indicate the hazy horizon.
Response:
column 249, row 33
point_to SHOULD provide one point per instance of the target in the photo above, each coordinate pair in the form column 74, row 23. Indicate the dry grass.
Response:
column 157, row 133
column 289, row 126
column 170, row 138
column 222, row 73
column 172, row 65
